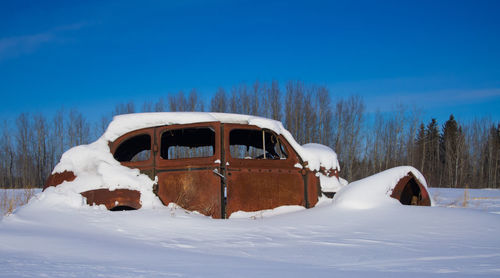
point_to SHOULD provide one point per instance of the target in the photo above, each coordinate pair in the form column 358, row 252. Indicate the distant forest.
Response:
column 449, row 154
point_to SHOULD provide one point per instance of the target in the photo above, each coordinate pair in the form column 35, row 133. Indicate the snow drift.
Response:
column 376, row 190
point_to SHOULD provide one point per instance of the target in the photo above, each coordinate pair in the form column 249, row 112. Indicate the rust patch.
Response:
column 329, row 172
column 113, row 199
column 409, row 191
column 259, row 189
column 195, row 190
column 58, row 178
column 313, row 189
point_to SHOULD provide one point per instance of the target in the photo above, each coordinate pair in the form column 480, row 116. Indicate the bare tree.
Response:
column 256, row 102
column 244, row 99
column 7, row 156
column 349, row 121
column 160, row 105
column 219, row 101
column 24, row 152
column 147, row 106
column 40, row 147
column 294, row 110
column 177, row 102
column 274, row 100
column 124, row 108
column 102, row 125
column 234, row 101
column 59, row 141
column 325, row 116
column 78, row 129
column 309, row 119
column 193, row 102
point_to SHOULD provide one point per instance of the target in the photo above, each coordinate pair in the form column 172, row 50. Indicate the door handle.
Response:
column 215, row 171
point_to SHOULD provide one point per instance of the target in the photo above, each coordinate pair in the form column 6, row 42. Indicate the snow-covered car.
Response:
column 212, row 163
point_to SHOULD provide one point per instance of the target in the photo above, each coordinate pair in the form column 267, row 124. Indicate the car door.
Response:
column 260, row 170
column 186, row 157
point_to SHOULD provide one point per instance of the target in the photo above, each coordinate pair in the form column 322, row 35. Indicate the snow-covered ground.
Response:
column 60, row 238
column 480, row 199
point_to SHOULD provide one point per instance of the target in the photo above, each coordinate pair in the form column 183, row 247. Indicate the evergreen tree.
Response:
column 432, row 153
column 448, row 148
column 420, row 147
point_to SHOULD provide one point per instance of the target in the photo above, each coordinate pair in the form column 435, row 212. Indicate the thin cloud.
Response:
column 478, row 94
column 452, row 96
column 20, row 45
column 431, row 99
column 16, row 46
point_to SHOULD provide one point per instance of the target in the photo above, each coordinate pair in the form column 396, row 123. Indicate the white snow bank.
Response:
column 57, row 197
column 314, row 154
column 266, row 213
column 375, row 190
column 320, row 242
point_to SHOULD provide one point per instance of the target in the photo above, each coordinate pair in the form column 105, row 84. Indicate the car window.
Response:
column 187, row 143
column 255, row 144
column 137, row 148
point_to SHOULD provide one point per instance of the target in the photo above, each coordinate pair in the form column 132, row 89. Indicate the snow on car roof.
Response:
column 315, row 155
column 122, row 124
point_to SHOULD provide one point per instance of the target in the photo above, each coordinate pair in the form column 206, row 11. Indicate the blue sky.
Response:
column 444, row 56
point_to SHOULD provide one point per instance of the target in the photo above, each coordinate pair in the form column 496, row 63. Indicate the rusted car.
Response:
column 212, row 163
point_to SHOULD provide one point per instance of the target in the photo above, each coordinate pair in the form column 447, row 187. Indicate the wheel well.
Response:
column 122, row 208
column 409, row 191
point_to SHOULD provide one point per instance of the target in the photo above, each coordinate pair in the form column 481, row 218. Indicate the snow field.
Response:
column 479, row 199
column 56, row 238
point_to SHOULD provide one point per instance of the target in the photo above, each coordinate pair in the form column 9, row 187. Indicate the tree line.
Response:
column 450, row 154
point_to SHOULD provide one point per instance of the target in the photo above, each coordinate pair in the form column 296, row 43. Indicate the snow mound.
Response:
column 95, row 167
column 266, row 213
column 375, row 191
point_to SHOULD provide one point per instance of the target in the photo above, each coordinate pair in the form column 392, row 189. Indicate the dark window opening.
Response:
column 137, row 148
column 187, row 143
column 122, row 208
column 255, row 144
column 411, row 194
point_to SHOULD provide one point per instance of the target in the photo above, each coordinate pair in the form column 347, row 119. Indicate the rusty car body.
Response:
column 217, row 168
